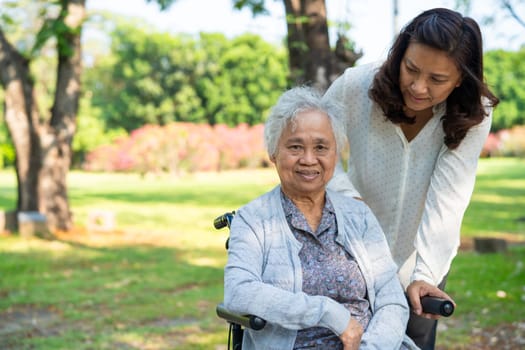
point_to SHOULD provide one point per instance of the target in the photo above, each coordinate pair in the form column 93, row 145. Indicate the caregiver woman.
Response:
column 416, row 126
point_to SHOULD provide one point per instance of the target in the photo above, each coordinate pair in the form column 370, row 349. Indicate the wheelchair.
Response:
column 238, row 323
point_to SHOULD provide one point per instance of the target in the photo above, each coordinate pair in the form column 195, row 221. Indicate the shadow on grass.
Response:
column 52, row 290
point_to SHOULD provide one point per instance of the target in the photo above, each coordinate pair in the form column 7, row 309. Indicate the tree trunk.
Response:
column 318, row 61
column 57, row 145
column 296, row 41
column 43, row 148
column 311, row 58
column 22, row 120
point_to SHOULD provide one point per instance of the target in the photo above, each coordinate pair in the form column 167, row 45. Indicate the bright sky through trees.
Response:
column 372, row 24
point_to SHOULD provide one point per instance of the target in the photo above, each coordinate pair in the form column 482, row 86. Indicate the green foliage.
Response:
column 7, row 151
column 505, row 74
column 52, row 28
column 22, row 20
column 140, row 85
column 47, row 24
column 158, row 78
column 256, row 6
column 251, row 76
column 163, row 4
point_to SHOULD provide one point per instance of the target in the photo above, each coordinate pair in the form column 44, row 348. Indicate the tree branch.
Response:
column 507, row 5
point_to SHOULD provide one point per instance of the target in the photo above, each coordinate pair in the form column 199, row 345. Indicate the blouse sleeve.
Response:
column 340, row 181
column 245, row 292
column 449, row 193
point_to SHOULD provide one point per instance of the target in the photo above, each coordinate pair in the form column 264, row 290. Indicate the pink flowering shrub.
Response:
column 240, row 147
column 182, row 147
column 198, row 150
column 109, row 158
column 505, row 143
column 492, row 146
column 513, row 141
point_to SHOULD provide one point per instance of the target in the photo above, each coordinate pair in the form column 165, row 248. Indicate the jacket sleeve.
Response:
column 386, row 329
column 449, row 193
column 245, row 292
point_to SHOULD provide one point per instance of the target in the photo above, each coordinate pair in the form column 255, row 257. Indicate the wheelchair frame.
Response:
column 237, row 322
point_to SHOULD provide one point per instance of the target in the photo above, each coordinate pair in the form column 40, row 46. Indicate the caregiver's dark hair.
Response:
column 460, row 38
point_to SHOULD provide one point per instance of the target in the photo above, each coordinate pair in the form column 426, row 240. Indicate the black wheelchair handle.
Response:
column 223, row 220
column 247, row 321
column 437, row 306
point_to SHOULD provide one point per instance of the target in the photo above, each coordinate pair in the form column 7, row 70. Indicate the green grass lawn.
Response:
column 497, row 207
column 153, row 283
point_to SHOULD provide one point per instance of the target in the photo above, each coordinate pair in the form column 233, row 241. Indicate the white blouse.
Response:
column 418, row 190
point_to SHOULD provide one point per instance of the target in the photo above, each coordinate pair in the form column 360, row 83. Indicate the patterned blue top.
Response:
column 328, row 270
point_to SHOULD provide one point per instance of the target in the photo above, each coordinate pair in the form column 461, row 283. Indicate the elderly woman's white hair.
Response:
column 295, row 101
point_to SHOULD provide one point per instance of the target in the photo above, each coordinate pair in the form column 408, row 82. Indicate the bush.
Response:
column 506, row 143
column 513, row 141
column 182, row 147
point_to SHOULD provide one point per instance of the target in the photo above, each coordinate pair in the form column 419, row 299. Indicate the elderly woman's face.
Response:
column 306, row 155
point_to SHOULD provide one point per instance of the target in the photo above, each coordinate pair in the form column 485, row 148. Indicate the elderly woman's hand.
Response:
column 418, row 289
column 351, row 337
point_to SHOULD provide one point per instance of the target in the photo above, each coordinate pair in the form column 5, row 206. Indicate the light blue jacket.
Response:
column 263, row 276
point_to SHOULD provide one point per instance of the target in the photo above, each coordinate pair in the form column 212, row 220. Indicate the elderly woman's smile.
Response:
column 308, row 175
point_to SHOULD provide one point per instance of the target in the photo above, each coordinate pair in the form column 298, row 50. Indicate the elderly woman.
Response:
column 312, row 263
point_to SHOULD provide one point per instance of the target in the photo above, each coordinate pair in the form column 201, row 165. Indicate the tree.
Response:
column 504, row 9
column 511, row 7
column 505, row 73
column 152, row 77
column 504, row 70
column 43, row 146
column 147, row 78
column 250, row 77
column 42, row 141
column 311, row 58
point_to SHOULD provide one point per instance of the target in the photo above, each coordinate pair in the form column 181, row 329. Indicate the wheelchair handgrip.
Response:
column 223, row 220
column 437, row 306
column 247, row 321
